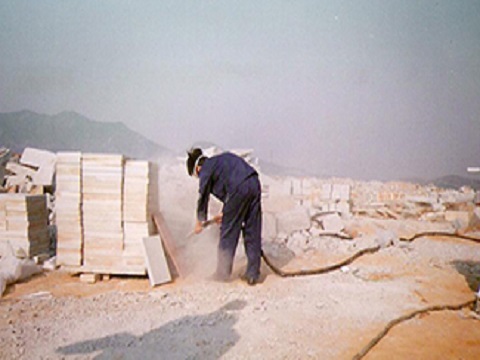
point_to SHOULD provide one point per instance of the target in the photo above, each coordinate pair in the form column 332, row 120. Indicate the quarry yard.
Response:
column 308, row 224
column 190, row 180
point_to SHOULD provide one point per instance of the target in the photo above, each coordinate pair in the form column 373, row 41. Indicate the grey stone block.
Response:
column 294, row 220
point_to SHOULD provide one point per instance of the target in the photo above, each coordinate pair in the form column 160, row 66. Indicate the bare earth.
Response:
column 330, row 316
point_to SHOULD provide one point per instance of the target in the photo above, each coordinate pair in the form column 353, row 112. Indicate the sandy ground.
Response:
column 330, row 316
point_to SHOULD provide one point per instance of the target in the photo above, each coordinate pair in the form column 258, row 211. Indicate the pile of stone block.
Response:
column 334, row 197
column 68, row 208
column 299, row 211
column 24, row 224
column 139, row 199
column 104, row 212
column 102, row 177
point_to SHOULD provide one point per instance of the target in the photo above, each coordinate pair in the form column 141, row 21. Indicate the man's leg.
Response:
column 233, row 215
column 252, row 232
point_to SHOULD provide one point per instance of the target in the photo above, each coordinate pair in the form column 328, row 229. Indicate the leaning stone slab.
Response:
column 43, row 160
column 36, row 157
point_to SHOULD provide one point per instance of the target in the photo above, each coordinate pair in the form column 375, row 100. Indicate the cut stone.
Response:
column 89, row 278
column 332, row 223
column 157, row 266
column 294, row 220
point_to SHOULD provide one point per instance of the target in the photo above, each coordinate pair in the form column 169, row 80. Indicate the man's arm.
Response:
column 202, row 203
column 200, row 225
column 204, row 189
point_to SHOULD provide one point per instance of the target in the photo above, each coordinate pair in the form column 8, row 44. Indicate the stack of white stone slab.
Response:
column 102, row 182
column 139, row 191
column 68, row 205
column 104, row 210
column 24, row 223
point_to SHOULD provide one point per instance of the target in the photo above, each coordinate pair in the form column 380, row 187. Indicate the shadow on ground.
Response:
column 471, row 271
column 206, row 336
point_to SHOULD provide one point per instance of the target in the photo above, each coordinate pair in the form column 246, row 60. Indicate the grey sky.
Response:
column 364, row 89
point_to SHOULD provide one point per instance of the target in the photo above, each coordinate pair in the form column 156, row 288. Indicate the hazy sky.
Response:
column 366, row 89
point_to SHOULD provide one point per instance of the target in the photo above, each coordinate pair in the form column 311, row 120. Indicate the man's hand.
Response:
column 218, row 218
column 198, row 227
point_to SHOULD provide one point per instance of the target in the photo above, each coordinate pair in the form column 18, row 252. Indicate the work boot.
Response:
column 249, row 280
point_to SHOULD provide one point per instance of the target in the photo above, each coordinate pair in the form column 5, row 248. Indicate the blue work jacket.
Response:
column 221, row 175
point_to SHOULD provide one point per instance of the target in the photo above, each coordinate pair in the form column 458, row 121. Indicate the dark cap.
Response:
column 193, row 156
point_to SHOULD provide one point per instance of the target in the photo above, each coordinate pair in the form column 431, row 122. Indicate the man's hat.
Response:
column 193, row 156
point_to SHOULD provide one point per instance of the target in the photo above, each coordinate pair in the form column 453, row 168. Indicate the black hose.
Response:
column 355, row 256
column 440, row 233
column 360, row 355
column 323, row 270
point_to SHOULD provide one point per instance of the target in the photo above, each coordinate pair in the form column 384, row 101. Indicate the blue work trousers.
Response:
column 242, row 213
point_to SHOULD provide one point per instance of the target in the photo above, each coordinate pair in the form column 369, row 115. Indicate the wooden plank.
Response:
column 168, row 242
column 156, row 261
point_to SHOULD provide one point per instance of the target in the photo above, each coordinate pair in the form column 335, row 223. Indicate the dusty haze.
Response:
column 364, row 89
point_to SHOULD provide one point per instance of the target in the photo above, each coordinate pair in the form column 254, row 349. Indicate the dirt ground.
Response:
column 329, row 316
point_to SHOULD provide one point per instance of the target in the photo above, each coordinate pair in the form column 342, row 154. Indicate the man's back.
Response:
column 222, row 174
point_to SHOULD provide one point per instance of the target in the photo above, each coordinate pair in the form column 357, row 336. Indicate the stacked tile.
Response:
column 24, row 222
column 68, row 203
column 102, row 177
column 139, row 200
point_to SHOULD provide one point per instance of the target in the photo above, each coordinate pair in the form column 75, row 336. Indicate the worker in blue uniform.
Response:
column 235, row 183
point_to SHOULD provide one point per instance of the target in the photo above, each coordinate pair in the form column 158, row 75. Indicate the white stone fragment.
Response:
column 332, row 223
column 294, row 220
column 341, row 192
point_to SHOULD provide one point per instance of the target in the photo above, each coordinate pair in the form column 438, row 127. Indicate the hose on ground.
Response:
column 440, row 233
column 406, row 317
column 317, row 271
column 276, row 270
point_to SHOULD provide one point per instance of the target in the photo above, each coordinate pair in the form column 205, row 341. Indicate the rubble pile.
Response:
column 26, row 202
column 302, row 213
column 30, row 173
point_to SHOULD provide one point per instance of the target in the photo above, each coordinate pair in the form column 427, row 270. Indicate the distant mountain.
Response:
column 69, row 131
column 456, row 182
